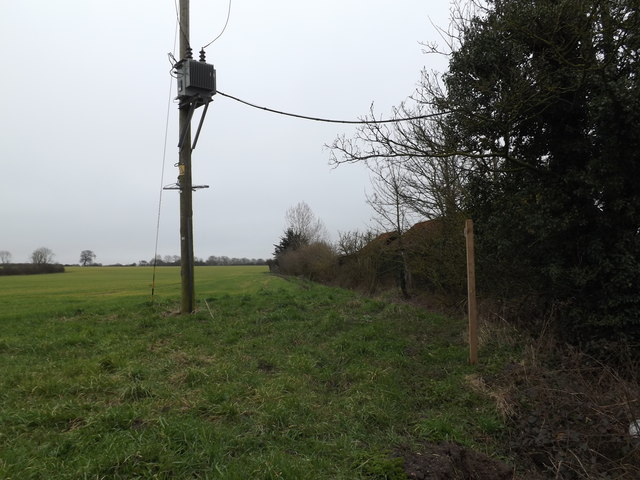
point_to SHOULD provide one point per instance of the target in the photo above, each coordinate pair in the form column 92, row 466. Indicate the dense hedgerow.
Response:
column 30, row 268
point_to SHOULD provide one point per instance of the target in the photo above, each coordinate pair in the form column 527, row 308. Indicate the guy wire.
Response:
column 164, row 156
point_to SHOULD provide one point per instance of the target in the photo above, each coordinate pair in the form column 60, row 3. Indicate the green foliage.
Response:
column 315, row 261
column 289, row 241
column 383, row 467
column 371, row 268
column 548, row 92
column 434, row 253
column 437, row 256
column 30, row 268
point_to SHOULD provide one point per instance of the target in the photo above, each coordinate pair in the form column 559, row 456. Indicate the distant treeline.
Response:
column 214, row 261
column 30, row 268
column 173, row 261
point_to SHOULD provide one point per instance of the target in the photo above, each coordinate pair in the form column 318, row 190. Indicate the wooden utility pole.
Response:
column 471, row 292
column 184, row 180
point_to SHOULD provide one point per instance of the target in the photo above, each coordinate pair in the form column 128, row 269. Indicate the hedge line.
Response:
column 30, row 268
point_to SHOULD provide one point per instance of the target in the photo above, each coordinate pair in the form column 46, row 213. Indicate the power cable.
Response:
column 223, row 28
column 164, row 157
column 328, row 120
column 186, row 37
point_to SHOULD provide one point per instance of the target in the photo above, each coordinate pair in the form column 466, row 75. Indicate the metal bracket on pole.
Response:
column 183, row 133
column 204, row 112
column 194, row 103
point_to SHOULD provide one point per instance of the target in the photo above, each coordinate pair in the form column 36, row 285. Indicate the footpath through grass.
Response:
column 285, row 379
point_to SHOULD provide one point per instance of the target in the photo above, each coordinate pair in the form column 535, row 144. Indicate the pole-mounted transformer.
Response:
column 196, row 87
column 196, row 79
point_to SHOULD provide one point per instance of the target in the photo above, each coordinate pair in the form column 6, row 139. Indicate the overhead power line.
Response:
column 223, row 28
column 328, row 120
column 175, row 4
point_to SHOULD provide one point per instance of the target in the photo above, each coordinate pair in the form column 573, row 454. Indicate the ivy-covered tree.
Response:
column 546, row 96
column 533, row 132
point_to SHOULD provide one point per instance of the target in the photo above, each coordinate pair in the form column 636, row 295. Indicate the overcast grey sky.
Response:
column 86, row 90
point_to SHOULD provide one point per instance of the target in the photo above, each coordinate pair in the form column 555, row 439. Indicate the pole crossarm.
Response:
column 175, row 186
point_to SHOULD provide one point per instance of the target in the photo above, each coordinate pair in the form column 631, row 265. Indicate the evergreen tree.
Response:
column 545, row 94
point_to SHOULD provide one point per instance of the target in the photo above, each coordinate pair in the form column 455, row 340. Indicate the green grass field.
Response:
column 106, row 288
column 281, row 379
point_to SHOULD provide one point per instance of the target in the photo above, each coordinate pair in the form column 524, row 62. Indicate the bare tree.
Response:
column 303, row 222
column 42, row 255
column 5, row 256
column 388, row 202
column 434, row 168
column 169, row 260
column 351, row 242
column 434, row 187
column 87, row 257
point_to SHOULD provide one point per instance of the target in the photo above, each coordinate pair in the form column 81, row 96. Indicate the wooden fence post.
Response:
column 471, row 293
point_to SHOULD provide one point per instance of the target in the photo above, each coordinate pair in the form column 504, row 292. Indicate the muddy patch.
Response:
column 453, row 462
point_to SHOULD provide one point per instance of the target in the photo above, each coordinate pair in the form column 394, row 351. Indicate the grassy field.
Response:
column 281, row 379
column 98, row 289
